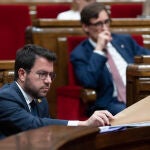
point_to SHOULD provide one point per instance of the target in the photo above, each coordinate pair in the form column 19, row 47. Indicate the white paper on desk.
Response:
column 110, row 129
column 136, row 113
column 122, row 127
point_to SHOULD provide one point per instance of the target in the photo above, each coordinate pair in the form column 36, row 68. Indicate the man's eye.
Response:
column 42, row 73
column 99, row 23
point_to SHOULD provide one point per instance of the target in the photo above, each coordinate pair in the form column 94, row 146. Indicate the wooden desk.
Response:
column 77, row 138
column 50, row 137
column 125, row 25
column 130, row 139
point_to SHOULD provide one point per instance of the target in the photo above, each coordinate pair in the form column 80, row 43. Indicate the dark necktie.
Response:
column 121, row 90
column 33, row 108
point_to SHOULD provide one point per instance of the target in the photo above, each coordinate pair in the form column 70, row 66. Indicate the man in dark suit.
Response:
column 23, row 105
column 90, row 60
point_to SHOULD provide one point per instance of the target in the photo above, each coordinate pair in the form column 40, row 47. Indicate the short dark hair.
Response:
column 92, row 11
column 26, row 56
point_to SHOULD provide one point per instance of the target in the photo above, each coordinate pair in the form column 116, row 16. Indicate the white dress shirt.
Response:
column 69, row 15
column 26, row 96
column 119, row 61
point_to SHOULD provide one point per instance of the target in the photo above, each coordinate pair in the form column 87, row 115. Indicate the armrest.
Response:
column 6, row 77
column 142, row 59
column 88, row 95
column 83, row 94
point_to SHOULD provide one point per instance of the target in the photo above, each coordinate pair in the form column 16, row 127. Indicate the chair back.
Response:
column 126, row 10
column 51, row 11
column 72, row 42
column 139, row 39
column 14, row 21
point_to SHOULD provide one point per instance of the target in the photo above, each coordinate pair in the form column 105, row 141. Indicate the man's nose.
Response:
column 104, row 26
column 48, row 79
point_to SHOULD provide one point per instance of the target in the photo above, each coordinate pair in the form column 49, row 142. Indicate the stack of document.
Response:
column 123, row 127
column 136, row 115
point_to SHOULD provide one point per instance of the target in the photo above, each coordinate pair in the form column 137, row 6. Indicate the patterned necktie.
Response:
column 121, row 90
column 33, row 108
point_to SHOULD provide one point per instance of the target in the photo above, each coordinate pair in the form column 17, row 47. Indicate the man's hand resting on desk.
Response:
column 99, row 118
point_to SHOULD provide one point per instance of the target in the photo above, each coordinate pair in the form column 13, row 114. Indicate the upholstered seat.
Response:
column 50, row 11
column 126, row 10
column 69, row 101
column 14, row 21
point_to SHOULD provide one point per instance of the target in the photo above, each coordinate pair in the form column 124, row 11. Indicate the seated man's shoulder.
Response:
column 8, row 89
column 120, row 35
column 69, row 15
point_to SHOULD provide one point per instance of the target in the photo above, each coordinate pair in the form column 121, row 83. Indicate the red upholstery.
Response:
column 14, row 20
column 72, row 42
column 138, row 39
column 126, row 10
column 69, row 104
column 51, row 11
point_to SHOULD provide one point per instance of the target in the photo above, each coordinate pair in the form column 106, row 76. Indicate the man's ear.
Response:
column 22, row 74
column 85, row 28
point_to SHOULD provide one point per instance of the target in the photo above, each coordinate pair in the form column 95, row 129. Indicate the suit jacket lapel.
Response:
column 22, row 99
column 90, row 49
column 122, row 48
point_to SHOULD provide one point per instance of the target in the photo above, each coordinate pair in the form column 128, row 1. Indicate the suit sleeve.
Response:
column 14, row 118
column 89, row 66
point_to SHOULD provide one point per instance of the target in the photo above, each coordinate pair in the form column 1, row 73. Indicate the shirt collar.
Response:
column 92, row 42
column 26, row 96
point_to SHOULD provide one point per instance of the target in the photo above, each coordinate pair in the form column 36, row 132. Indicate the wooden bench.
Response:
column 6, row 71
column 138, row 79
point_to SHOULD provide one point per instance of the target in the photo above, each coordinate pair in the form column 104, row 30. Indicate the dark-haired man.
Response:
column 96, row 58
column 23, row 105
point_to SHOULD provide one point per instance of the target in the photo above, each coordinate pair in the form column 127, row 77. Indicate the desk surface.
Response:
column 76, row 138
column 50, row 137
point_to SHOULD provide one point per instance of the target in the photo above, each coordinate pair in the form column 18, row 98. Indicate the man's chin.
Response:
column 43, row 95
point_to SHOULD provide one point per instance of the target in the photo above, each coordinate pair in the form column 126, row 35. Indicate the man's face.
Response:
column 37, row 82
column 97, row 25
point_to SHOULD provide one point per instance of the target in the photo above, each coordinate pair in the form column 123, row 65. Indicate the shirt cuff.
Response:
column 73, row 123
column 99, row 52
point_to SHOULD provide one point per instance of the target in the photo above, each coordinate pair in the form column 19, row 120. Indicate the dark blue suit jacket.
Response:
column 15, row 115
column 91, row 71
